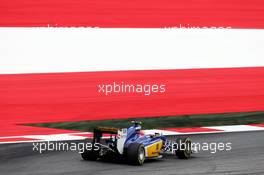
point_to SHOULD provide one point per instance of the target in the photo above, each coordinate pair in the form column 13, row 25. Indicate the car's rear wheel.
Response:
column 136, row 153
column 184, row 149
column 91, row 155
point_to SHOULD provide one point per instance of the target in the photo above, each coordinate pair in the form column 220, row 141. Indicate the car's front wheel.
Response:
column 183, row 150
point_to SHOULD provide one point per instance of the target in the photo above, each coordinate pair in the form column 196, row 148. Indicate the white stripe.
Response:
column 237, row 128
column 31, row 50
column 163, row 132
column 72, row 136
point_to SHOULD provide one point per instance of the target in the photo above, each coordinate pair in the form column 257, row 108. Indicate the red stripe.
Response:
column 74, row 96
column 135, row 13
column 20, row 139
column 11, row 129
column 259, row 125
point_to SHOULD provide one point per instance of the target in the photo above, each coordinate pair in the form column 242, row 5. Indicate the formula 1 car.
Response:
column 130, row 144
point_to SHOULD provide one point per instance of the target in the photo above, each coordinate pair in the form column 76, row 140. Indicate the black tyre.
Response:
column 136, row 153
column 90, row 155
column 184, row 150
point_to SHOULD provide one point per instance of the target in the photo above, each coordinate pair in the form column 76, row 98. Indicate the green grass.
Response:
column 165, row 122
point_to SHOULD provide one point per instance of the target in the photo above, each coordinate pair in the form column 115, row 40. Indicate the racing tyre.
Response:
column 91, row 155
column 136, row 153
column 183, row 148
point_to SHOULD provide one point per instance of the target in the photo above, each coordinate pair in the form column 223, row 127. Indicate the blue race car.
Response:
column 130, row 144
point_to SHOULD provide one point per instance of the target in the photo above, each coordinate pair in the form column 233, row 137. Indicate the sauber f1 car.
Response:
column 131, row 145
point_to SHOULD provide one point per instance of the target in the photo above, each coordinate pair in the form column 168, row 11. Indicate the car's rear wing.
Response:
column 99, row 131
column 108, row 130
column 121, row 134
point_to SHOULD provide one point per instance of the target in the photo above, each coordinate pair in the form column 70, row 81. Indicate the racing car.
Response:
column 132, row 145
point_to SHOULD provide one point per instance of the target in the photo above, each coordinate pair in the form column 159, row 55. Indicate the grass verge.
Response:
column 165, row 122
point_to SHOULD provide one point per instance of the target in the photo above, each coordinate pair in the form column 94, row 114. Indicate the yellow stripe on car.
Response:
column 153, row 150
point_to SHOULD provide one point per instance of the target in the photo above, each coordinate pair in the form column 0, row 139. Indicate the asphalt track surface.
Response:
column 246, row 157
